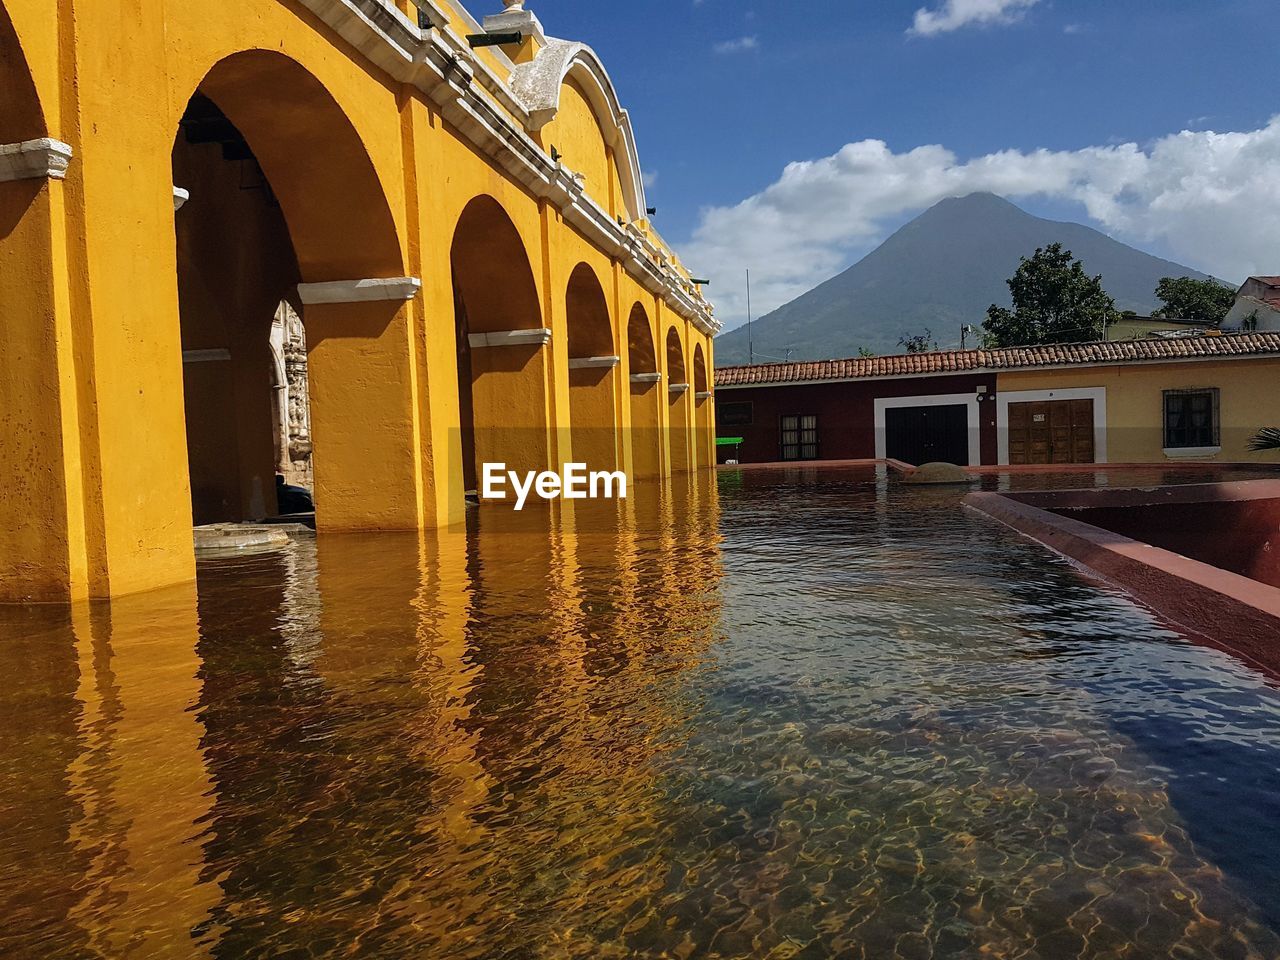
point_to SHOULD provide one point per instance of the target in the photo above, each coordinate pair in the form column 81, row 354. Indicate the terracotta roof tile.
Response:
column 1010, row 358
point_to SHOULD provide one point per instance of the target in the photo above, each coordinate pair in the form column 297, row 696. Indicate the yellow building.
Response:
column 454, row 207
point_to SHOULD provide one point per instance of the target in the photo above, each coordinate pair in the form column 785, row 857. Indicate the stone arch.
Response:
column 678, row 403
column 21, row 117
column 539, row 84
column 646, row 393
column 593, row 371
column 270, row 158
column 503, row 372
column 703, row 412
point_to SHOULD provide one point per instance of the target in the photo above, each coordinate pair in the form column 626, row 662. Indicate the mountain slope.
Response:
column 941, row 270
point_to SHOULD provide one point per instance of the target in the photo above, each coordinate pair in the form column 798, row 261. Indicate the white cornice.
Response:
column 594, row 363
column 510, row 338
column 441, row 64
column 34, row 160
column 359, row 291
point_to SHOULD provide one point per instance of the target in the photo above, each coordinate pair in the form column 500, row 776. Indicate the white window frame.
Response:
column 967, row 400
column 1097, row 394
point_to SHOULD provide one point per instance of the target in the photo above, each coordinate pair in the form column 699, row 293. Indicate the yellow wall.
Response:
column 1249, row 399
column 371, row 182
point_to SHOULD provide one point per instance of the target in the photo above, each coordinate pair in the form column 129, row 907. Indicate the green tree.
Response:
column 918, row 343
column 1054, row 301
column 1186, row 298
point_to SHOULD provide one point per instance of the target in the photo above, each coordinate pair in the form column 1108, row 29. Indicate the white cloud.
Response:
column 955, row 14
column 649, row 177
column 1207, row 199
column 739, row 45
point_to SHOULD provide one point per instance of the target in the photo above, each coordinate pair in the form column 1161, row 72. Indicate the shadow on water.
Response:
column 805, row 713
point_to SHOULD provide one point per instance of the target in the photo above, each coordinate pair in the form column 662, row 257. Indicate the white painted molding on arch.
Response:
column 360, row 291
column 646, row 378
column 594, row 363
column 34, row 160
column 510, row 338
column 679, row 388
column 180, row 198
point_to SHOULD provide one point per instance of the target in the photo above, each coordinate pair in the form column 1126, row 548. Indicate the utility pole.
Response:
column 751, row 349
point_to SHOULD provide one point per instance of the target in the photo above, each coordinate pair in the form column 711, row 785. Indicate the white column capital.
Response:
column 34, row 160
column 510, row 338
column 360, row 291
column 646, row 378
column 679, row 388
column 594, row 363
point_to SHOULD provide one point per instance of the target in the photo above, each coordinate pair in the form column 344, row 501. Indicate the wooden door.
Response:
column 1051, row 431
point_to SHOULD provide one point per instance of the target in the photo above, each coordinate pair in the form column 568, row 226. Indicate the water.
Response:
column 809, row 714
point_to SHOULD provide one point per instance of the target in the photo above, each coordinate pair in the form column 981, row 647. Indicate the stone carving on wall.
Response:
column 292, row 402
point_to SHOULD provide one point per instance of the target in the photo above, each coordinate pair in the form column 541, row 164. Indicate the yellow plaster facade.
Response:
column 1248, row 398
column 324, row 143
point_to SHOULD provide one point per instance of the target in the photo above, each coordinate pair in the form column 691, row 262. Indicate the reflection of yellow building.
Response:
column 464, row 232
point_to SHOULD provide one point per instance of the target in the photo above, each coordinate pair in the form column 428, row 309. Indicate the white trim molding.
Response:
column 1097, row 394
column 646, row 378
column 206, row 356
column 360, row 291
column 967, row 400
column 34, row 160
column 1191, row 453
column 594, row 363
column 678, row 388
column 510, row 338
column 180, row 198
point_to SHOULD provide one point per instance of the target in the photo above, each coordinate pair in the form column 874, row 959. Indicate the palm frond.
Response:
column 1267, row 438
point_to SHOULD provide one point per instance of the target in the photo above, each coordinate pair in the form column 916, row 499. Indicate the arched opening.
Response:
column 677, row 403
column 593, row 372
column 703, row 412
column 282, row 193
column 646, row 394
column 502, row 345
column 21, row 118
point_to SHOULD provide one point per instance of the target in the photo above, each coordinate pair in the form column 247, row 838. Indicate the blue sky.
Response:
column 725, row 95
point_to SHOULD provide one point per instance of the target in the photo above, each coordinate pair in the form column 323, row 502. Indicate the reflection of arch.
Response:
column 309, row 150
column 646, row 391
column 678, row 412
column 272, row 160
column 538, row 85
column 20, row 115
column 502, row 355
column 593, row 371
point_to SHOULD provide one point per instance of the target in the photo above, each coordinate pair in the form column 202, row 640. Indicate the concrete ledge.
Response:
column 1227, row 610
column 180, row 198
column 677, row 388
column 646, row 378
column 594, row 363
column 360, row 291
column 510, row 338
column 34, row 160
column 705, row 394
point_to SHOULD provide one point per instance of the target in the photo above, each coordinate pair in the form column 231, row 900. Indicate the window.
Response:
column 799, row 438
column 1190, row 419
column 734, row 414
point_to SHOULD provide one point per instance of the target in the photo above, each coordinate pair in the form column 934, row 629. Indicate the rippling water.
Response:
column 808, row 714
